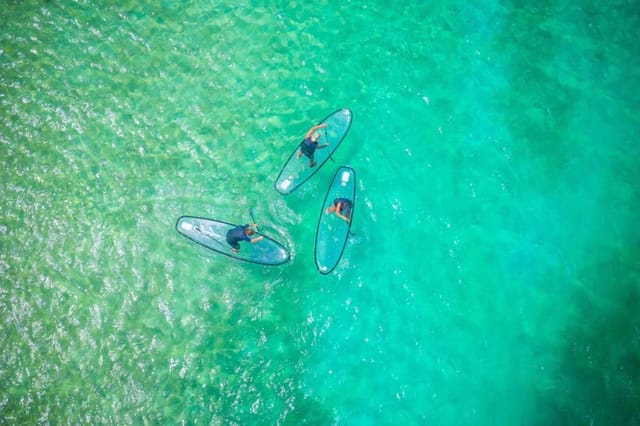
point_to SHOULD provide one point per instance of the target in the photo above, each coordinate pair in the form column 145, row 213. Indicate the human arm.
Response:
column 314, row 128
column 256, row 239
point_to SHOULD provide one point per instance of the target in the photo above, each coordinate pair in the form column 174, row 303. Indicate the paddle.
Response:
column 253, row 220
column 327, row 139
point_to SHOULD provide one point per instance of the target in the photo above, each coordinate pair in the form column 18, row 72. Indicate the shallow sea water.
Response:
column 492, row 276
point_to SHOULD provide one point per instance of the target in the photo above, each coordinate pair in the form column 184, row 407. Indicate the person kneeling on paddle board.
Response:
column 342, row 208
column 241, row 233
column 310, row 143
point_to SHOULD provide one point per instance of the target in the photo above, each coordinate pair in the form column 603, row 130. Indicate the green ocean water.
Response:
column 493, row 274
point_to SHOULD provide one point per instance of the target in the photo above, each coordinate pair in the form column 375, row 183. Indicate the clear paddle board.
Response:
column 297, row 171
column 213, row 235
column 332, row 231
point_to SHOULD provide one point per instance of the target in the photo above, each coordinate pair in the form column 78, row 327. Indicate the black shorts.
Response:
column 308, row 150
column 233, row 239
column 345, row 208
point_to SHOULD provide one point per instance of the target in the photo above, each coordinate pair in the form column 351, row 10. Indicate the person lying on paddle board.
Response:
column 310, row 143
column 241, row 233
column 342, row 208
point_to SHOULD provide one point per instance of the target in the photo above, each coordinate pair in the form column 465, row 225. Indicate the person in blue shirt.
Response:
column 342, row 208
column 241, row 233
column 310, row 143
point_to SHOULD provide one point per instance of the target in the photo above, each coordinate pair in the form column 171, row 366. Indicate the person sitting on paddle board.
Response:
column 310, row 143
column 241, row 233
column 342, row 207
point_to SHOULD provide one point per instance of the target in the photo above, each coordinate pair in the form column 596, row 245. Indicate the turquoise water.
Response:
column 493, row 275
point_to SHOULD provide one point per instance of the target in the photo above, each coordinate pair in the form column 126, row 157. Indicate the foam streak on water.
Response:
column 494, row 254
